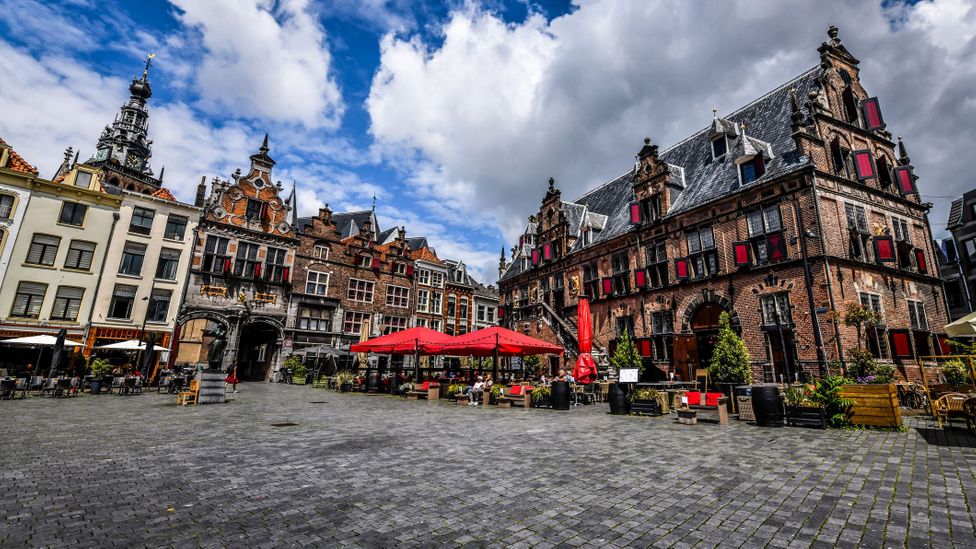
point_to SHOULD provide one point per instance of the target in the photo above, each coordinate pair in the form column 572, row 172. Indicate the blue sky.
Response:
column 454, row 114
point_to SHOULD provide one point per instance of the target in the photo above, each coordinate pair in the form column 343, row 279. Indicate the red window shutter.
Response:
column 900, row 344
column 645, row 348
column 944, row 347
column 920, row 260
column 501, row 313
column 635, row 213
column 284, row 274
column 547, row 252
column 226, row 265
column 864, row 165
column 681, row 268
column 872, row 114
column 521, row 241
column 376, row 263
column 760, row 165
column 884, row 249
column 264, row 210
column 257, row 270
column 535, row 257
column 640, row 278
column 740, row 251
column 410, row 271
column 776, row 247
column 607, row 286
column 905, row 179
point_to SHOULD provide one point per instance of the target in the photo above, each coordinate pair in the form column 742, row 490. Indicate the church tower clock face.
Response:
column 102, row 154
column 133, row 161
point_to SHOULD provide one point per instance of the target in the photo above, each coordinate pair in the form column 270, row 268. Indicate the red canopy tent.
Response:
column 585, row 370
column 404, row 342
column 414, row 341
column 494, row 341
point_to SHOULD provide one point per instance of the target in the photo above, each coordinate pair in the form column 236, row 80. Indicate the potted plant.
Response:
column 954, row 373
column 828, row 393
column 494, row 393
column 454, row 391
column 100, row 368
column 343, row 381
column 646, row 401
column 801, row 409
column 540, row 396
column 730, row 360
column 624, row 357
column 297, row 367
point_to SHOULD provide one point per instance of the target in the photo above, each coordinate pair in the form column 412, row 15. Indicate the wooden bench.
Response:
column 519, row 395
column 419, row 392
column 721, row 409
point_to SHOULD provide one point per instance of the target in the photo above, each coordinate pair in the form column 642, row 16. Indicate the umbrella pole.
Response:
column 494, row 368
column 40, row 352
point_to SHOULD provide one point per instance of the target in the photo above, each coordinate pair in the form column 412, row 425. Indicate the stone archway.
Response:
column 699, row 329
column 190, row 346
column 258, row 353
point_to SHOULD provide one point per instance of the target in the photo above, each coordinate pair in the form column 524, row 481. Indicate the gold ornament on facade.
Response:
column 574, row 285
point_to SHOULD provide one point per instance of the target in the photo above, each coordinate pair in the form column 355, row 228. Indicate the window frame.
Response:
column 213, row 261
column 113, row 303
column 142, row 228
column 45, row 248
column 81, row 254
column 356, row 322
column 353, row 292
column 29, row 304
column 314, row 285
column 397, row 296
column 66, row 304
column 131, row 261
column 74, row 213
column 165, row 261
column 168, row 235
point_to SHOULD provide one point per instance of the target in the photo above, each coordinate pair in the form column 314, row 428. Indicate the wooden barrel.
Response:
column 617, row 396
column 211, row 387
column 767, row 405
column 560, row 395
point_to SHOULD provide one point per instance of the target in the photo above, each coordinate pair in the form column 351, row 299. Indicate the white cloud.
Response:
column 494, row 109
column 263, row 59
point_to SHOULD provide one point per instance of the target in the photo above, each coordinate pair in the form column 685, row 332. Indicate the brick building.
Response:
column 347, row 273
column 777, row 213
column 958, row 257
column 240, row 274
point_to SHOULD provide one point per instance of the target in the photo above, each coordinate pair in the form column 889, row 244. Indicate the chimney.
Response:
column 201, row 192
column 325, row 214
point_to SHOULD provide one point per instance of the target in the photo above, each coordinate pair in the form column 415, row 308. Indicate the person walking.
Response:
column 231, row 378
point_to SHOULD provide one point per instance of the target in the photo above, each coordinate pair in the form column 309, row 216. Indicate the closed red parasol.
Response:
column 585, row 370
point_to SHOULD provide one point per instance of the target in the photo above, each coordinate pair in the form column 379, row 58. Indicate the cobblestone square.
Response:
column 377, row 471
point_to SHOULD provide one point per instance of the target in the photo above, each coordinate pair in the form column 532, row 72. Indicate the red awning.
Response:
column 485, row 341
column 404, row 342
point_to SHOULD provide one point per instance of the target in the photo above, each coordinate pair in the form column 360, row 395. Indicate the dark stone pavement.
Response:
column 376, row 471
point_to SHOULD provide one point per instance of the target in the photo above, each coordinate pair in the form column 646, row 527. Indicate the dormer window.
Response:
column 83, row 179
column 752, row 169
column 253, row 209
column 850, row 105
column 720, row 145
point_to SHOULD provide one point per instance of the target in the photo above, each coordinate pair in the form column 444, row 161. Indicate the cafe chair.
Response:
column 190, row 395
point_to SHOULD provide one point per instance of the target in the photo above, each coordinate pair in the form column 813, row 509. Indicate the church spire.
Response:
column 124, row 147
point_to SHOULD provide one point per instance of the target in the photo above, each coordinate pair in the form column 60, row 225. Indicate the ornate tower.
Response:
column 123, row 150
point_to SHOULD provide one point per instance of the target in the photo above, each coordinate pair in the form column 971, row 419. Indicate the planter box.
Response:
column 688, row 417
column 541, row 403
column 806, row 416
column 874, row 405
column 646, row 407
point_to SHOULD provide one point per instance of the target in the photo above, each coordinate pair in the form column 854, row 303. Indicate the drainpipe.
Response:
column 808, row 279
column 830, row 285
column 101, row 273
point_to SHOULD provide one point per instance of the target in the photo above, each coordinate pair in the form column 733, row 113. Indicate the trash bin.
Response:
column 560, row 395
column 617, row 395
column 767, row 405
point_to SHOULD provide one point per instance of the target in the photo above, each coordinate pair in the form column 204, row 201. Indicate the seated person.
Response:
column 476, row 392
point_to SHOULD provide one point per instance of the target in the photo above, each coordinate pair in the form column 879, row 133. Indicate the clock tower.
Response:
column 123, row 150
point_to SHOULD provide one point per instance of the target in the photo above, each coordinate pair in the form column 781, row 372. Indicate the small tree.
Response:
column 859, row 317
column 626, row 355
column 530, row 366
column 730, row 358
column 297, row 366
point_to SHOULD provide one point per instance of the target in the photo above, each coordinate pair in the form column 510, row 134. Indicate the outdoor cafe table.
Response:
column 671, row 385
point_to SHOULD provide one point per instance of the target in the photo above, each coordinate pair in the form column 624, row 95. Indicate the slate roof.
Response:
column 768, row 128
column 955, row 214
column 349, row 223
column 417, row 242
column 387, row 236
column 16, row 162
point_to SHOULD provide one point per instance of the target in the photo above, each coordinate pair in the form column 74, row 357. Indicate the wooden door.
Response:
column 685, row 348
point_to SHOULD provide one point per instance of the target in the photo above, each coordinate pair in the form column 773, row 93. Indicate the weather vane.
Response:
column 149, row 59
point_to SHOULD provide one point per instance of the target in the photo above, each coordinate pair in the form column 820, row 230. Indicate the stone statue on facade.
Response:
column 215, row 354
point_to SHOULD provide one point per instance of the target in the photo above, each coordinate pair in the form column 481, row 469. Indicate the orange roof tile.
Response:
column 16, row 162
column 164, row 193
column 426, row 254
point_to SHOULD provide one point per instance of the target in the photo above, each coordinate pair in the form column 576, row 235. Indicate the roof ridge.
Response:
column 744, row 107
column 595, row 189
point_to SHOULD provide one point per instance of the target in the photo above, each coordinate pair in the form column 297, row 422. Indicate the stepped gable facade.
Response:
column 345, row 276
column 240, row 276
column 779, row 214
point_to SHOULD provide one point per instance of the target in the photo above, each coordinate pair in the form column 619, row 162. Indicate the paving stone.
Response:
column 376, row 471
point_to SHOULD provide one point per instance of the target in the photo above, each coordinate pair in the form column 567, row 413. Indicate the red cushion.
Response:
column 516, row 390
column 425, row 386
column 693, row 397
column 711, row 399
column 529, row 388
